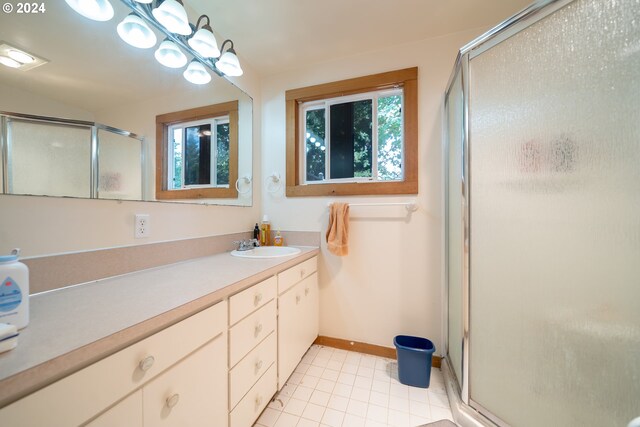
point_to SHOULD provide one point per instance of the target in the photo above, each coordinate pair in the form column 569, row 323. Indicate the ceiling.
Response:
column 278, row 35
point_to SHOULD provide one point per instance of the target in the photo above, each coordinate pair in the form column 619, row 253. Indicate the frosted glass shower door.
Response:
column 49, row 159
column 555, row 220
column 455, row 228
column 120, row 166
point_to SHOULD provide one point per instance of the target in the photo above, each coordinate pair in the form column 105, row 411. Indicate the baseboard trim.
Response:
column 361, row 347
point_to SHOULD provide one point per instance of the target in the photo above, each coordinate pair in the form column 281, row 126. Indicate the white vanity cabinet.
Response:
column 219, row 367
column 298, row 315
column 118, row 386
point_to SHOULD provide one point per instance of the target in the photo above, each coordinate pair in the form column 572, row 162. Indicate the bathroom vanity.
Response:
column 210, row 342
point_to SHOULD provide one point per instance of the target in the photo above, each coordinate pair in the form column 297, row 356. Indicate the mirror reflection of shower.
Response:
column 49, row 156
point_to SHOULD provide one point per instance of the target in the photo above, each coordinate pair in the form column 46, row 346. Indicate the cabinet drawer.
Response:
column 249, row 300
column 80, row 396
column 290, row 277
column 245, row 335
column 245, row 374
column 126, row 413
column 252, row 405
column 191, row 393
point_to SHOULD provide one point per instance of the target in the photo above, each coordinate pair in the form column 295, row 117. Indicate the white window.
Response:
column 356, row 138
column 198, row 154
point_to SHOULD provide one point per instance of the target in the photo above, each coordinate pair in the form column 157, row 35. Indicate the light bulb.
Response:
column 98, row 10
column 173, row 17
column 136, row 32
column 170, row 55
column 196, row 73
column 204, row 42
column 229, row 64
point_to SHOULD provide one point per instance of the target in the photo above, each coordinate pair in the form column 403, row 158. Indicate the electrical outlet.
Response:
column 142, row 228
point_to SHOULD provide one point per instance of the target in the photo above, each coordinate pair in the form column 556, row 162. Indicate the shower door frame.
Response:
column 93, row 127
column 519, row 22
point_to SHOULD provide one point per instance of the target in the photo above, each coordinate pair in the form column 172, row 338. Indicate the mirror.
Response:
column 90, row 75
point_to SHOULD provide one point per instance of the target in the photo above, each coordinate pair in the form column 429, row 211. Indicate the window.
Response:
column 356, row 136
column 197, row 152
column 353, row 138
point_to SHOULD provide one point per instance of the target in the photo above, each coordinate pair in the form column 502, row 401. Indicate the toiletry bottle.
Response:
column 278, row 240
column 256, row 232
column 265, row 232
column 14, row 291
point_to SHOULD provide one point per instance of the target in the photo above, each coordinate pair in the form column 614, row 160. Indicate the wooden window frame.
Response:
column 163, row 122
column 408, row 80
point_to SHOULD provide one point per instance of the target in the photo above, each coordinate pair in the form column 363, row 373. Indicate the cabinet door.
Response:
column 290, row 333
column 126, row 413
column 191, row 393
column 311, row 311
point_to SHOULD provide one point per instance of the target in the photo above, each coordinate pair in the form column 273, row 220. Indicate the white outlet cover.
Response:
column 142, row 226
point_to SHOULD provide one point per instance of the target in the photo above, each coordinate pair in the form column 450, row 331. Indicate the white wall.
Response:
column 14, row 100
column 392, row 281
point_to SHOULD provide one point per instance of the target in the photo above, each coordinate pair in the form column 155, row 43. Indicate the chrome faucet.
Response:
column 247, row 245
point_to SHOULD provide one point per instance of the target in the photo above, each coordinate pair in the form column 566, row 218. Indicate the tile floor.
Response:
column 338, row 388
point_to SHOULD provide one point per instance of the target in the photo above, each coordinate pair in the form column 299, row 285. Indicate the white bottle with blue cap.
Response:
column 14, row 290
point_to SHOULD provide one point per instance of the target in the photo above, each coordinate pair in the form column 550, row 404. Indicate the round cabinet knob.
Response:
column 146, row 363
column 258, row 401
column 298, row 298
column 173, row 400
column 302, row 273
column 258, row 329
column 258, row 365
column 306, row 291
column 257, row 299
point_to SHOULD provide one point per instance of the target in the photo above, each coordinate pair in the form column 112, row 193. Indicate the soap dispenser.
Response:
column 278, row 240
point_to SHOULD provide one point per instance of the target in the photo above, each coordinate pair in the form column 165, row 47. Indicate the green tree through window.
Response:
column 350, row 141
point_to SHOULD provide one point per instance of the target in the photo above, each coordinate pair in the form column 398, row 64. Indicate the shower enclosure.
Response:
column 69, row 158
column 543, row 218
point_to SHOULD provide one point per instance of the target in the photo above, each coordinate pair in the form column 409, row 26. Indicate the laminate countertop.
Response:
column 73, row 327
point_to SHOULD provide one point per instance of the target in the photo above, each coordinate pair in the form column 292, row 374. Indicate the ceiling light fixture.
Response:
column 173, row 17
column 196, row 73
column 136, row 32
column 15, row 57
column 98, row 10
column 168, row 17
column 170, row 55
column 203, row 41
column 228, row 62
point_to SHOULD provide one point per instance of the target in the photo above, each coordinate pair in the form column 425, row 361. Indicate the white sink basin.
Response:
column 267, row 252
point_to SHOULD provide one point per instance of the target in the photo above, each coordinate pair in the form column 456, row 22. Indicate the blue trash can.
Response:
column 414, row 360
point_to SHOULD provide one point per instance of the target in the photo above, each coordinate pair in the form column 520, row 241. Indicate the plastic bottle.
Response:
column 278, row 240
column 265, row 231
column 256, row 232
column 14, row 290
